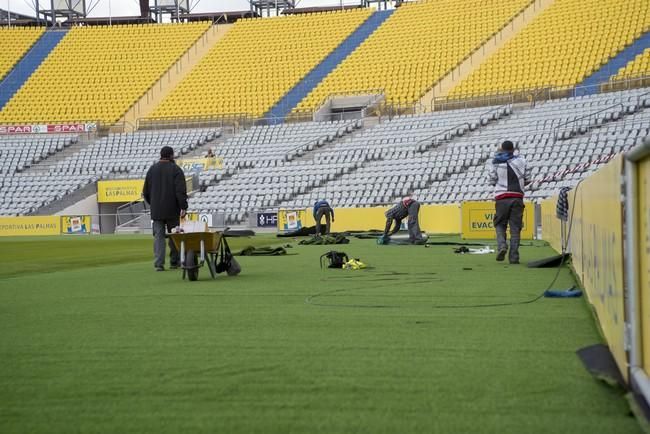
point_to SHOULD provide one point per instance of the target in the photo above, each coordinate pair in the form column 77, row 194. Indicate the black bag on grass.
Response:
column 227, row 262
column 336, row 259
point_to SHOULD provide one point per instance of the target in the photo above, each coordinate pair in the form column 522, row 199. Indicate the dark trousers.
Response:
column 323, row 211
column 159, row 227
column 509, row 211
column 415, row 234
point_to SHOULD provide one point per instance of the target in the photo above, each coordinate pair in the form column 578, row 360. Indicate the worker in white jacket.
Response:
column 509, row 176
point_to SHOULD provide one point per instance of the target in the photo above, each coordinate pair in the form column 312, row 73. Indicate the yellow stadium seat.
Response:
column 414, row 48
column 561, row 47
column 15, row 43
column 97, row 73
column 639, row 67
column 257, row 62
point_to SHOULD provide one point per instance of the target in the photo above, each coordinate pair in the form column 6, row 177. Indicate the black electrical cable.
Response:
column 310, row 299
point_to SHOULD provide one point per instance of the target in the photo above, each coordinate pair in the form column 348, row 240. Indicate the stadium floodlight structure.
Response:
column 70, row 9
column 174, row 8
column 259, row 6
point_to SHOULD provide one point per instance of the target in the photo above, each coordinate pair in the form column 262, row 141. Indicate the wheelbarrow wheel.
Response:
column 191, row 265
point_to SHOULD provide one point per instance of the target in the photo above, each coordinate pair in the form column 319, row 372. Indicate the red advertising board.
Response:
column 16, row 129
column 48, row 128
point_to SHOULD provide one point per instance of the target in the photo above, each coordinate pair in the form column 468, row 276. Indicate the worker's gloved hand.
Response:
column 183, row 213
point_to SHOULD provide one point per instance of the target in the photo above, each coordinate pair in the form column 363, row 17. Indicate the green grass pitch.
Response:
column 93, row 340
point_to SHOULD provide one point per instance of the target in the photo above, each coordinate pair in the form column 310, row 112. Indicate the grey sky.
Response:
column 130, row 7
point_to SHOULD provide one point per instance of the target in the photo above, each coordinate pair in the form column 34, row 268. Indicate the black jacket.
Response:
column 398, row 212
column 165, row 190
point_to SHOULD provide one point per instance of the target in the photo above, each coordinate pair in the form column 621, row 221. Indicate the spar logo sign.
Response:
column 86, row 127
column 16, row 129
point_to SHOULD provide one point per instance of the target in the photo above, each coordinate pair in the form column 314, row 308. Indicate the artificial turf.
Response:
column 93, row 340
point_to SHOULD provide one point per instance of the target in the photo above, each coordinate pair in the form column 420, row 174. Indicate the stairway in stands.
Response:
column 287, row 103
column 28, row 64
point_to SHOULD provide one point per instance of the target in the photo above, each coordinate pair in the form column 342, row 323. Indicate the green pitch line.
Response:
column 102, row 343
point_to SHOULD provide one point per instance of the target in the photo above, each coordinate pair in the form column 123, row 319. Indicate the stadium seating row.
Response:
column 114, row 156
column 257, row 62
column 97, row 73
column 565, row 44
column 15, row 42
column 415, row 47
column 640, row 66
column 439, row 157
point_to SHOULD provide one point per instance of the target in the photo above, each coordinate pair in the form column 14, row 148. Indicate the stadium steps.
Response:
column 482, row 53
column 201, row 149
column 68, row 200
column 146, row 105
column 15, row 79
column 291, row 99
column 445, row 143
column 43, row 167
column 310, row 155
column 590, row 85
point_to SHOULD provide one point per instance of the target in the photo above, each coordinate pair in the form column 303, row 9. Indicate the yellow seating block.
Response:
column 564, row 45
column 15, row 43
column 257, row 62
column 415, row 47
column 97, row 73
column 638, row 67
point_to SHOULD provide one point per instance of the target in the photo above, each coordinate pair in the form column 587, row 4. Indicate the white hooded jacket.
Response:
column 509, row 177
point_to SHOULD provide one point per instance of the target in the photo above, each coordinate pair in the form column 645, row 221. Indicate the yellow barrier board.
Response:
column 643, row 207
column 440, row 219
column 477, row 220
column 119, row 190
column 194, row 164
column 551, row 225
column 292, row 220
column 597, row 248
column 76, row 225
column 29, row 226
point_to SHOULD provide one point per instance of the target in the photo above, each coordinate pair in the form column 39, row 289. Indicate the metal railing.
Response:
column 588, row 116
column 228, row 121
column 129, row 212
column 538, row 94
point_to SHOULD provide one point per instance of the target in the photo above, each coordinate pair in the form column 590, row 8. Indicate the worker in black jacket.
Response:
column 166, row 193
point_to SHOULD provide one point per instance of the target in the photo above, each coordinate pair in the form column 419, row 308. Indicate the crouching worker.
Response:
column 323, row 208
column 407, row 207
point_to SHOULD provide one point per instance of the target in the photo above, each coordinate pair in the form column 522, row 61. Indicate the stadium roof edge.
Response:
column 219, row 17
column 103, row 21
column 316, row 9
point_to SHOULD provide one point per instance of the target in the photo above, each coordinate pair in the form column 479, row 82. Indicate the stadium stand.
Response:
column 19, row 153
column 563, row 141
column 286, row 104
column 393, row 158
column 25, row 193
column 569, row 41
column 439, row 157
column 131, row 155
column 257, row 62
column 29, row 183
column 15, row 43
column 640, row 66
column 97, row 73
column 263, row 166
column 415, row 48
